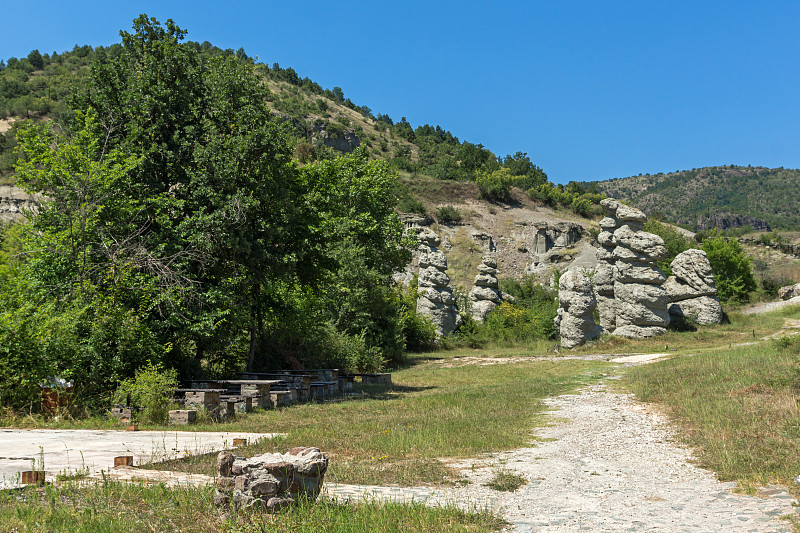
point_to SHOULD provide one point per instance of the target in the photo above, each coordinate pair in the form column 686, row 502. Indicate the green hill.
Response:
column 723, row 197
column 325, row 122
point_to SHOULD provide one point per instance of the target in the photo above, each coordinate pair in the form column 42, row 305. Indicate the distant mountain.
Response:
column 723, row 197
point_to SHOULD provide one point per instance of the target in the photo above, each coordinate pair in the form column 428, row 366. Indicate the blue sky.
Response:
column 589, row 89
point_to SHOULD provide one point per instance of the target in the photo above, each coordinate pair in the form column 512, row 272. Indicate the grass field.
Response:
column 733, row 395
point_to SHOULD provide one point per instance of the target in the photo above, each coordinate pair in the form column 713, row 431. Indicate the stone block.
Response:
column 182, row 417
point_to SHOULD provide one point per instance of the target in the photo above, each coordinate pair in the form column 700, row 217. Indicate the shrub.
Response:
column 151, row 389
column 410, row 204
column 495, row 186
column 448, row 214
column 731, row 267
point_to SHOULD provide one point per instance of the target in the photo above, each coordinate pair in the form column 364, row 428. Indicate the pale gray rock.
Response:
column 628, row 272
column 576, row 302
column 639, row 332
column 703, row 310
column 485, row 293
column 640, row 241
column 486, row 280
column 693, row 268
column 691, row 290
column 789, row 292
column 435, row 259
column 628, row 283
column 435, row 299
column 283, row 479
column 485, row 269
column 482, row 308
column 485, row 241
column 609, row 223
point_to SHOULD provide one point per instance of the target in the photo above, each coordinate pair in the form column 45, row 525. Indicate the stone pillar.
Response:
column 485, row 294
column 640, row 300
column 576, row 302
column 435, row 298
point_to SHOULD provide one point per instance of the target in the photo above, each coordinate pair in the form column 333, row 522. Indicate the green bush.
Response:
column 675, row 242
column 495, row 186
column 151, row 389
column 448, row 214
column 733, row 273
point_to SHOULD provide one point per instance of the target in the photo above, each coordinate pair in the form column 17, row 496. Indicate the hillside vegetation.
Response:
column 723, row 197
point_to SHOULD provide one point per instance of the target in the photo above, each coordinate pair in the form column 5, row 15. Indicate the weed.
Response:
column 506, row 481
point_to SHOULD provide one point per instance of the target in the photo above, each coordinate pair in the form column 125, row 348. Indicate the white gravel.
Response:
column 612, row 464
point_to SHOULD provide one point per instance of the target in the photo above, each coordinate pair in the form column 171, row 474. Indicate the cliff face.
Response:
column 14, row 201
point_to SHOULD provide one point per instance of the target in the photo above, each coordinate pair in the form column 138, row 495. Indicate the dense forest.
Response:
column 723, row 197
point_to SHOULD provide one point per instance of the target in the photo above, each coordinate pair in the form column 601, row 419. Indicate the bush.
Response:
column 675, row 242
column 151, row 389
column 410, row 204
column 731, row 267
column 448, row 214
column 495, row 186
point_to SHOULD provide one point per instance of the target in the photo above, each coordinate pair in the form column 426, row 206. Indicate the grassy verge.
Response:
column 123, row 508
column 738, row 407
column 431, row 411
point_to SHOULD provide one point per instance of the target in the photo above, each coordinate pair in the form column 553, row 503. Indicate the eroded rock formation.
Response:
column 435, row 298
column 632, row 301
column 485, row 294
column 576, row 303
column 691, row 289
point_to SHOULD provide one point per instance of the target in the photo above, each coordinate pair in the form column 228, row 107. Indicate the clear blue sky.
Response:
column 589, row 89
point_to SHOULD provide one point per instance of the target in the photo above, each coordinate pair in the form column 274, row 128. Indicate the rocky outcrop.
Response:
column 333, row 136
column 435, row 299
column 14, row 202
column 576, row 303
column 691, row 289
column 485, row 241
column 559, row 235
column 271, row 481
column 789, row 292
column 632, row 301
column 485, row 294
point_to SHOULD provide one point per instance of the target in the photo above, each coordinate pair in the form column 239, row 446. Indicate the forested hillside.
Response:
column 723, row 197
column 207, row 213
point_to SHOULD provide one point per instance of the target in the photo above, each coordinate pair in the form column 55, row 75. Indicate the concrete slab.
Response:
column 90, row 451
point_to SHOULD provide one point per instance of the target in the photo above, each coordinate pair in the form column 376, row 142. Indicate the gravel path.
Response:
column 771, row 306
column 608, row 464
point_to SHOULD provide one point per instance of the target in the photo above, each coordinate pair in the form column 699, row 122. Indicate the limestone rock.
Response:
column 639, row 332
column 435, row 299
column 692, row 292
column 576, row 302
column 485, row 295
column 703, row 310
column 693, row 268
column 789, row 292
column 486, row 280
column 631, row 300
column 273, row 480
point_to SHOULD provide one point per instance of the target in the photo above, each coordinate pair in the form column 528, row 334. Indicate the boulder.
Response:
column 789, row 292
column 703, row 310
column 270, row 481
column 691, row 290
